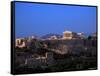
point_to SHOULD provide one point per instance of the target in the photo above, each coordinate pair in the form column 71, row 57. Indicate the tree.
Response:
column 89, row 37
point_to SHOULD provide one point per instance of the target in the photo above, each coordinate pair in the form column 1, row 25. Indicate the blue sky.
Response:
column 40, row 19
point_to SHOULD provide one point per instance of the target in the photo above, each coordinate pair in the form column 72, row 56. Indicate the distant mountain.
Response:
column 33, row 36
column 49, row 35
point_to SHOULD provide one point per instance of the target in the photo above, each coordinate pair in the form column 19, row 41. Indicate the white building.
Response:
column 81, row 35
column 69, row 35
column 53, row 37
column 20, row 43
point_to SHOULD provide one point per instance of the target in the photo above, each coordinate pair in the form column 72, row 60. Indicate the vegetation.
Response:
column 79, row 56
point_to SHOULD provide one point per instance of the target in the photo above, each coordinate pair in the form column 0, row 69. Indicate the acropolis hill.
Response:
column 72, row 50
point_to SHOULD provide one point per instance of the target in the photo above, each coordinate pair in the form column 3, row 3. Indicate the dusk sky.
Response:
column 40, row 19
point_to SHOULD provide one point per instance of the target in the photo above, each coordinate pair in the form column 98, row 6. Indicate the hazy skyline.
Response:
column 41, row 19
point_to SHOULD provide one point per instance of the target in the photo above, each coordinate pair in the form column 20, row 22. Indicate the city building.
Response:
column 94, row 36
column 40, row 60
column 20, row 42
column 81, row 35
column 53, row 37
